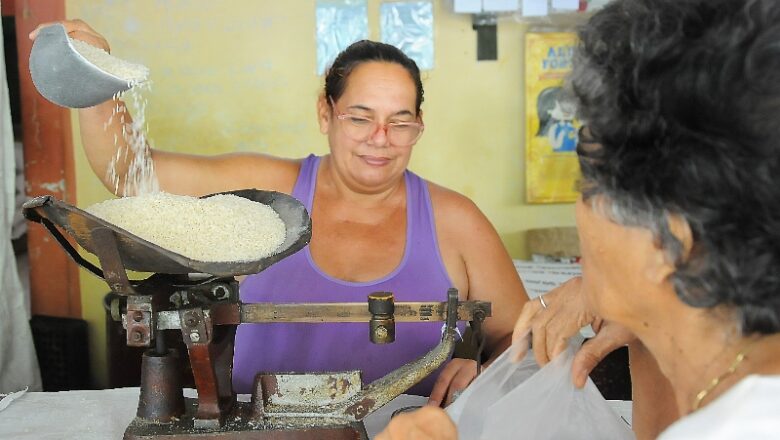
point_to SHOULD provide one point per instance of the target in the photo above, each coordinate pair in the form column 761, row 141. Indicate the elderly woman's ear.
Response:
column 681, row 230
column 662, row 265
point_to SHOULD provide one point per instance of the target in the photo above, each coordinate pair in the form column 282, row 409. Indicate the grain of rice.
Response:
column 221, row 228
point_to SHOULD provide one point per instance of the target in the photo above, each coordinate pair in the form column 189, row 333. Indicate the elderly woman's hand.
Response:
column 550, row 327
column 78, row 30
column 426, row 423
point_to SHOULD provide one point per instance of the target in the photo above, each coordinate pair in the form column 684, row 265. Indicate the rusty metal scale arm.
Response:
column 235, row 313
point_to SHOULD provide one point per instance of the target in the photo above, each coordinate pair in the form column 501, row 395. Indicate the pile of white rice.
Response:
column 131, row 72
column 222, row 228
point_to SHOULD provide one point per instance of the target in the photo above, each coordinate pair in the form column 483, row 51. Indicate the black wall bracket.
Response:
column 486, row 26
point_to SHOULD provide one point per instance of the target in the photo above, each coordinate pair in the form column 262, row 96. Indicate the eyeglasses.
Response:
column 361, row 128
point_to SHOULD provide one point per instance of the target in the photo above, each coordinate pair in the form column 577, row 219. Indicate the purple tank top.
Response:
column 323, row 347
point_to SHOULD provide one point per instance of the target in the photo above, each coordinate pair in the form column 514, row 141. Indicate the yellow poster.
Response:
column 552, row 169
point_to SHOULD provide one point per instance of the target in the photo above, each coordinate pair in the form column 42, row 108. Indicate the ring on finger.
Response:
column 541, row 301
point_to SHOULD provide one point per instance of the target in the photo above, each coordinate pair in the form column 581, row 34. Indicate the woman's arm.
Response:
column 491, row 274
column 477, row 260
column 177, row 173
column 104, row 132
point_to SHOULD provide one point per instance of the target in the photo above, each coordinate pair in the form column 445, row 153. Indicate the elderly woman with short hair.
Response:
column 679, row 218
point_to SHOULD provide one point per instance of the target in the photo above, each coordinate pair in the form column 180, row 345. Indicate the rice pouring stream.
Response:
column 139, row 177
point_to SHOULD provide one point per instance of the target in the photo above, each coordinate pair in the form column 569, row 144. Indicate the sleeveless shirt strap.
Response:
column 307, row 180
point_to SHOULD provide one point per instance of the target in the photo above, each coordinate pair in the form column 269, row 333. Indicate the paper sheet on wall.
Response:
column 535, row 8
column 409, row 27
column 540, row 278
column 500, row 5
column 339, row 24
column 566, row 5
column 467, row 6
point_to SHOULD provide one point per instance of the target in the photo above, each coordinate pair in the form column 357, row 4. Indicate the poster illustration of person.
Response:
column 552, row 169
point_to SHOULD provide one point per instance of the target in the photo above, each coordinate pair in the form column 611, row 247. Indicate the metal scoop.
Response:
column 63, row 76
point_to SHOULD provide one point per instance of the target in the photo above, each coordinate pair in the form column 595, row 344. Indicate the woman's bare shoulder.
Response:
column 450, row 204
column 459, row 221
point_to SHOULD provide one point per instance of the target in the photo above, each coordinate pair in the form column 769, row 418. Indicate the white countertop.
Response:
column 104, row 414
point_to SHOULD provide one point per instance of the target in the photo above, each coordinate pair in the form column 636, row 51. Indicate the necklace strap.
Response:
column 741, row 356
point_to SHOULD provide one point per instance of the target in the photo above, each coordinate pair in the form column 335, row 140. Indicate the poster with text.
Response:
column 552, row 169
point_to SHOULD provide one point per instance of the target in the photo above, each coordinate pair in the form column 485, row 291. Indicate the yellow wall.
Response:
column 240, row 75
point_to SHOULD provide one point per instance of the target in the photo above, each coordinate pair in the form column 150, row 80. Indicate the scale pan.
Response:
column 143, row 256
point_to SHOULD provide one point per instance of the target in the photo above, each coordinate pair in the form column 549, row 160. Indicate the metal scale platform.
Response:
column 200, row 299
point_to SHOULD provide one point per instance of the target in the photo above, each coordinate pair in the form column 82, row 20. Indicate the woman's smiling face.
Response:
column 383, row 92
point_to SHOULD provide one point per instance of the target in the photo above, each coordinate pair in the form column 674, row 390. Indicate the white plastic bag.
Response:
column 520, row 401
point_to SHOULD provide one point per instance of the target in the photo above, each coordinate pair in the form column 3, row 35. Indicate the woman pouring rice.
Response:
column 376, row 225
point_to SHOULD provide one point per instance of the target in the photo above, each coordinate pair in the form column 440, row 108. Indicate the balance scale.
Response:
column 201, row 300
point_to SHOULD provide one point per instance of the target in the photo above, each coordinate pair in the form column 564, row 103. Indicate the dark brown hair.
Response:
column 365, row 51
